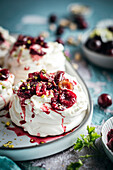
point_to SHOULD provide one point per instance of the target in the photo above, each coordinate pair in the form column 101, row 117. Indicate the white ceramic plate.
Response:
column 25, row 150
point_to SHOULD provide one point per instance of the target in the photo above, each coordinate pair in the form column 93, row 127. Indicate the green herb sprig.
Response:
column 85, row 141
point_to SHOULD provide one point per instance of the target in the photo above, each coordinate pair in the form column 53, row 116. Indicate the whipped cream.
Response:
column 7, row 41
column 38, row 117
column 21, row 61
column 6, row 90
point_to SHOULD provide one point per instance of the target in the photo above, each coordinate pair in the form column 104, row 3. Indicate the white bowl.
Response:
column 101, row 60
column 108, row 125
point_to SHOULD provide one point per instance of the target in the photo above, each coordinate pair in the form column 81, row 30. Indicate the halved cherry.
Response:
column 4, row 74
column 41, row 89
column 56, row 105
column 59, row 76
column 44, row 76
column 67, row 98
column 65, row 84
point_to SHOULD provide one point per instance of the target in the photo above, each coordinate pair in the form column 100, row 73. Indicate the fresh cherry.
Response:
column 52, row 18
column 110, row 144
column 110, row 134
column 110, row 52
column 4, row 74
column 94, row 45
column 104, row 100
column 60, row 30
column 110, row 28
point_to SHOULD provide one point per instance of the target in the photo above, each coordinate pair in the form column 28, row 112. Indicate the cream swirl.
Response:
column 6, row 90
column 6, row 41
column 21, row 61
column 39, row 118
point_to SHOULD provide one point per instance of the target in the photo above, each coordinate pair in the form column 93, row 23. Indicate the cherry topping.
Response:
column 41, row 89
column 35, row 50
column 104, row 100
column 4, row 74
column 67, row 98
column 42, row 83
column 40, row 41
column 52, row 18
column 1, row 38
column 60, row 41
column 59, row 76
column 65, row 84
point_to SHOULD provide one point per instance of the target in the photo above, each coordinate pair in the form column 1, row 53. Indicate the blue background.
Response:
column 12, row 12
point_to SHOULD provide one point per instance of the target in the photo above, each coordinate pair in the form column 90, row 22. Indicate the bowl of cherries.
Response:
column 97, row 46
column 107, row 137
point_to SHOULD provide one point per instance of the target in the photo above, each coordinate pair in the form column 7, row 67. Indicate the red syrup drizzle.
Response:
column 7, row 115
column 64, row 127
column 45, row 109
column 57, row 112
column 33, row 115
column 23, row 110
column 75, row 82
column 20, row 132
column 3, row 99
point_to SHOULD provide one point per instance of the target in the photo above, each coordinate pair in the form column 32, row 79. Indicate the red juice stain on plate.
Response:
column 34, row 139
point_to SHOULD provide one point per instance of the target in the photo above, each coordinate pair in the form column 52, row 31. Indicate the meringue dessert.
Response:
column 48, row 104
column 6, row 82
column 30, row 54
column 6, row 41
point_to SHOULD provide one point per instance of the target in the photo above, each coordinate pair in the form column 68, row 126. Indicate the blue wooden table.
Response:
column 30, row 17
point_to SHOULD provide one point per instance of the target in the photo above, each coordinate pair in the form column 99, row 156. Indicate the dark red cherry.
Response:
column 110, row 52
column 59, row 76
column 67, row 98
column 110, row 144
column 60, row 41
column 60, row 30
column 110, row 28
column 52, row 18
column 81, row 22
column 1, row 38
column 95, row 45
column 83, row 25
column 104, row 100
column 41, row 89
column 110, row 134
column 4, row 74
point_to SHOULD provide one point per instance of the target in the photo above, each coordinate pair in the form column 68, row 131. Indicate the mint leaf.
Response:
column 79, row 144
column 75, row 166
